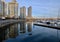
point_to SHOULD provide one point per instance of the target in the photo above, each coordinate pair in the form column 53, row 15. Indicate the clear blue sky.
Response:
column 46, row 8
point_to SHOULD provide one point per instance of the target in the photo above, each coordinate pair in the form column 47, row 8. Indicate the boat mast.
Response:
column 58, row 18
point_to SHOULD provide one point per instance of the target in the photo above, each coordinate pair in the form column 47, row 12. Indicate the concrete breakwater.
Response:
column 46, row 25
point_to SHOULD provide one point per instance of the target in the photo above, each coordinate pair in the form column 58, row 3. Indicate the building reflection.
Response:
column 4, row 34
column 22, row 27
column 29, row 28
column 9, row 32
column 13, row 31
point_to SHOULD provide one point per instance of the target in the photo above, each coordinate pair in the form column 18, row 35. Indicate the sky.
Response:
column 41, row 8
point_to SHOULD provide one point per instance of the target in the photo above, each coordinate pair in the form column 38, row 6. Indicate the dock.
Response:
column 46, row 25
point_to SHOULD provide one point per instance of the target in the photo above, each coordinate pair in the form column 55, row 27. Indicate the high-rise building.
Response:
column 2, row 8
column 23, row 12
column 3, row 0
column 6, row 9
column 30, row 11
column 13, row 9
column 13, row 0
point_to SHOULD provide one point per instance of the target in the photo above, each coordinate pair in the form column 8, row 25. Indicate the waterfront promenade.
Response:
column 4, row 23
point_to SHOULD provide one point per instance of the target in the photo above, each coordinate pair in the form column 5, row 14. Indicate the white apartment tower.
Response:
column 13, row 9
column 23, row 12
column 2, row 8
column 30, row 11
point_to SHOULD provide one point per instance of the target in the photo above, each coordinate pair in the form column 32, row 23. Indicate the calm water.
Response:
column 27, row 32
